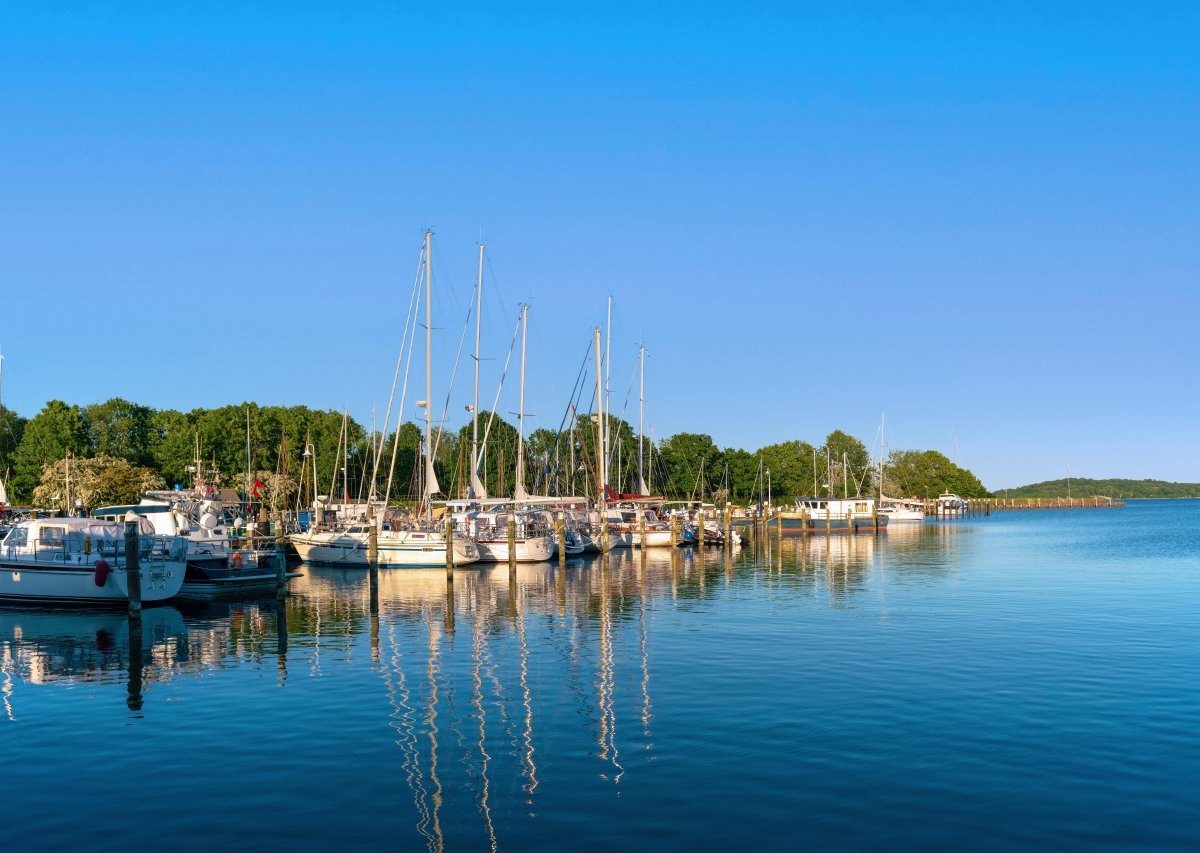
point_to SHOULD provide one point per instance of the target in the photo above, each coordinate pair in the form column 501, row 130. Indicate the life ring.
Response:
column 236, row 561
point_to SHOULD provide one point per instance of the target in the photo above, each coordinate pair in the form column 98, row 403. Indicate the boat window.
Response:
column 52, row 536
column 17, row 537
column 860, row 507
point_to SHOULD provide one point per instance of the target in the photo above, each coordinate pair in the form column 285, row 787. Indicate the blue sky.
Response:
column 981, row 222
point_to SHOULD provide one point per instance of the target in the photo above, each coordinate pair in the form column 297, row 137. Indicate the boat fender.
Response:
column 102, row 572
column 235, row 561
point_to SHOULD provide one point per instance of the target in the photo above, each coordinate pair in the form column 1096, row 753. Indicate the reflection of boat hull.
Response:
column 802, row 524
column 50, row 645
column 653, row 539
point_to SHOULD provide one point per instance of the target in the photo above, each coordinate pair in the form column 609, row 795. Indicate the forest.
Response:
column 111, row 451
column 1123, row 489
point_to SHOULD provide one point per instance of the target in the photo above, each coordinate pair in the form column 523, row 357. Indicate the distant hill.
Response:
column 1083, row 488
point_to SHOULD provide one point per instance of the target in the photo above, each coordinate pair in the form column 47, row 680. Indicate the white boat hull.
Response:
column 396, row 549
column 64, row 584
column 534, row 549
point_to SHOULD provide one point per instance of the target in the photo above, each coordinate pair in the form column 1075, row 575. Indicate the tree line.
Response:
column 136, row 447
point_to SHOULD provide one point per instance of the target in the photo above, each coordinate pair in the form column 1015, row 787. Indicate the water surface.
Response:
column 1026, row 680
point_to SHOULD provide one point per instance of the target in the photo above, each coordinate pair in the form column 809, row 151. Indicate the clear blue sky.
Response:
column 983, row 222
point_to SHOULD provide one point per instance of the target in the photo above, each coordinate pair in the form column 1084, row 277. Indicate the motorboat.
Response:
column 82, row 561
column 217, row 561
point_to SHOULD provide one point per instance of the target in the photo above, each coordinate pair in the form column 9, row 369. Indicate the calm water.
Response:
column 1019, row 681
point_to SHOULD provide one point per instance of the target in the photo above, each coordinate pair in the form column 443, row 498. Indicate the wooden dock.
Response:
column 977, row 507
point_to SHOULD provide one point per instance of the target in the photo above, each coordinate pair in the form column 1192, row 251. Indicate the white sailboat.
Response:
column 419, row 545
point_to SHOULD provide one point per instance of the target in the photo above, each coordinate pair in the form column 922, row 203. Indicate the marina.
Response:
column 758, row 692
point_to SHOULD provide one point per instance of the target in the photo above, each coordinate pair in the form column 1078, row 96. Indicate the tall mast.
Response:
column 641, row 415
column 431, row 483
column 519, row 489
column 346, row 457
column 608, row 386
column 476, row 487
column 600, row 460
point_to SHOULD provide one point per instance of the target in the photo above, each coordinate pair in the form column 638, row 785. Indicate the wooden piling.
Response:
column 449, row 546
column 372, row 537
column 699, row 528
column 512, row 543
column 280, row 557
column 560, row 528
column 133, row 566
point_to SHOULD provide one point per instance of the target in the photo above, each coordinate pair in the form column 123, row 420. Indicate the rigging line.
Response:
column 387, row 417
column 403, row 392
column 496, row 402
column 575, row 390
column 453, row 375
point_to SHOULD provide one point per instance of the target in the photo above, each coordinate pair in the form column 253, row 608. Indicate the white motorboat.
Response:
column 899, row 511
column 82, row 561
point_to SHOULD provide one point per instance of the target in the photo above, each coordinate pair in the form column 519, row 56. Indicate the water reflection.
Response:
column 487, row 681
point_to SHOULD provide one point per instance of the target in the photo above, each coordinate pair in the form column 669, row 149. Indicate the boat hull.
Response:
column 38, row 582
column 393, row 551
column 533, row 549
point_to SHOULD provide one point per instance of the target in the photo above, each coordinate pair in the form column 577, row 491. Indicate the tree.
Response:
column 12, row 427
column 693, row 463
column 927, row 473
column 47, row 437
column 791, row 467
column 849, row 463
column 121, row 429
column 95, row 482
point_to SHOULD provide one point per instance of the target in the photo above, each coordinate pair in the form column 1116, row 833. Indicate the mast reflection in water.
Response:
column 636, row 700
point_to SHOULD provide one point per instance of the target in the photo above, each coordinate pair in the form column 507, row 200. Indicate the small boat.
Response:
column 949, row 503
column 900, row 511
column 82, row 561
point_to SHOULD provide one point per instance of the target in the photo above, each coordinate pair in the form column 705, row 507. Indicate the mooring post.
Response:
column 642, row 529
column 560, row 527
column 875, row 519
column 850, row 522
column 449, row 546
column 280, row 557
column 133, row 566
column 372, row 537
column 674, row 530
column 512, row 543
column 603, row 530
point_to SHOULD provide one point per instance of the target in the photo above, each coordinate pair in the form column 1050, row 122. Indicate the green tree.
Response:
column 121, row 429
column 12, row 427
column 845, row 463
column 47, row 437
column 693, row 465
column 927, row 473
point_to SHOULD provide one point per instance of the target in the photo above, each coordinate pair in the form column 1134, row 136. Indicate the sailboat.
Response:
column 486, row 521
column 417, row 545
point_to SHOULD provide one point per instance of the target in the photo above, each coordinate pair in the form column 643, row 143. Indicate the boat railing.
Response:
column 79, row 548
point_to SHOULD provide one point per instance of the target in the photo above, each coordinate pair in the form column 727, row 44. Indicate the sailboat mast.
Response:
column 600, row 460
column 429, row 480
column 608, row 385
column 519, row 488
column 475, row 401
column 641, row 417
